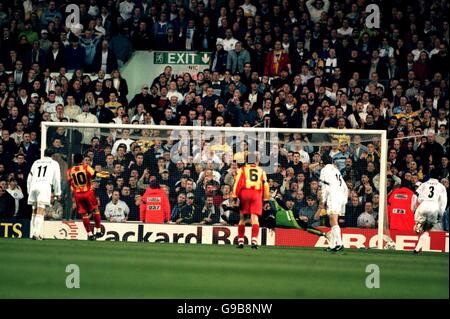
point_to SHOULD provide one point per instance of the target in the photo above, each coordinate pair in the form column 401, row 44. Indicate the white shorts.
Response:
column 40, row 195
column 336, row 206
column 427, row 212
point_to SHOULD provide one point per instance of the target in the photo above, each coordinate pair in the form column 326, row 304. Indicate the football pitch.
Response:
column 37, row 269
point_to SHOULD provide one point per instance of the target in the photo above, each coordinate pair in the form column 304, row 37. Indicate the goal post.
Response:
column 218, row 148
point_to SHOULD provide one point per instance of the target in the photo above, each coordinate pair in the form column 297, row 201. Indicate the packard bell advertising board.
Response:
column 156, row 233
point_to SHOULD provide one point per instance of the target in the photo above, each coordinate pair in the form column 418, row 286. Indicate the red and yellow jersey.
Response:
column 80, row 178
column 253, row 177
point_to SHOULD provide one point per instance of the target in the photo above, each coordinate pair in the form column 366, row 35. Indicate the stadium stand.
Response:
column 307, row 64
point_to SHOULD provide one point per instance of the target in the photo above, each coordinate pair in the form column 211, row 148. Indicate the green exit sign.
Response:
column 202, row 58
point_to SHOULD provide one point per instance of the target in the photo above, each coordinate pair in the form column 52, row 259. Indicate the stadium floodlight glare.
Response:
column 188, row 143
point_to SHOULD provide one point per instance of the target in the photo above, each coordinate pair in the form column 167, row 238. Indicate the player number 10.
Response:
column 79, row 178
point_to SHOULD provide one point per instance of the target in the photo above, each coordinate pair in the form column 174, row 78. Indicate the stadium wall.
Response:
column 227, row 235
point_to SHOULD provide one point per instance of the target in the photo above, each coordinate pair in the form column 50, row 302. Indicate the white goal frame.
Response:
column 381, row 133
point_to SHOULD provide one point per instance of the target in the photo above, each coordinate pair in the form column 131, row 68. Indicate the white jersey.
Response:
column 45, row 171
column 117, row 212
column 432, row 191
column 333, row 184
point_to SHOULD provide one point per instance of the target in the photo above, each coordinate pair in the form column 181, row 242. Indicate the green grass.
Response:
column 36, row 269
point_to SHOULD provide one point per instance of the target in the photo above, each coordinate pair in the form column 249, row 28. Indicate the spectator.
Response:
column 276, row 61
column 122, row 47
column 74, row 54
column 55, row 211
column 116, row 210
column 229, row 211
column 175, row 215
column 367, row 218
column 7, row 202
column 187, row 213
column 210, row 214
column 105, row 58
column 16, row 192
column 237, row 58
column 308, row 213
column 219, row 58
column 229, row 42
column 160, row 28
column 353, row 210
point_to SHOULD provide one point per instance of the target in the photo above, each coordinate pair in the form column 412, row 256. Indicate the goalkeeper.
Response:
column 286, row 219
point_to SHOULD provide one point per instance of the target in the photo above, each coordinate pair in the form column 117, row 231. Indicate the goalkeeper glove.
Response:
column 103, row 174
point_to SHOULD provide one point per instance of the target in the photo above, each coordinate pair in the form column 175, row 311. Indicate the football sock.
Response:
column 38, row 222
column 423, row 241
column 97, row 219
column 87, row 224
column 33, row 225
column 255, row 232
column 337, row 235
column 241, row 232
column 314, row 231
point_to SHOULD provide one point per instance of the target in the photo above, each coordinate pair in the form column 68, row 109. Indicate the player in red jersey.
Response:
column 252, row 188
column 80, row 179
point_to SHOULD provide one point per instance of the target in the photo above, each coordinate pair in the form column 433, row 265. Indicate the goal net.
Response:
column 197, row 165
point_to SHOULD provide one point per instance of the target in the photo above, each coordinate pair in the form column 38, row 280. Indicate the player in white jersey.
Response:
column 429, row 203
column 334, row 197
column 44, row 174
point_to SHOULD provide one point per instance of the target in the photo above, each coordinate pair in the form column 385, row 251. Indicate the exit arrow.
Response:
column 205, row 58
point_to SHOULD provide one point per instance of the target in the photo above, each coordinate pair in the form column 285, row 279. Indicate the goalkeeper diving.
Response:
column 279, row 213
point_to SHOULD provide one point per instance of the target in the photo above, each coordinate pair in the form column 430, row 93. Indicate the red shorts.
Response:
column 251, row 202
column 86, row 202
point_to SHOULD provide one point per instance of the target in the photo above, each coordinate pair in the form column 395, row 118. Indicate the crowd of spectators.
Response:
column 295, row 64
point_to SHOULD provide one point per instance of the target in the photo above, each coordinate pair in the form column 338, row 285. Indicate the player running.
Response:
column 429, row 203
column 251, row 187
column 44, row 174
column 80, row 179
column 334, row 197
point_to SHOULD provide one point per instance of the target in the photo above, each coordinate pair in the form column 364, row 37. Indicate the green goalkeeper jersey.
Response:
column 285, row 217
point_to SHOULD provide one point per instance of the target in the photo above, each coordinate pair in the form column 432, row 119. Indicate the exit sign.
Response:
column 184, row 58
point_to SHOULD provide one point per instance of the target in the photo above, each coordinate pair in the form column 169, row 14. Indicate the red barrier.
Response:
column 360, row 238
